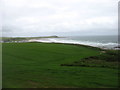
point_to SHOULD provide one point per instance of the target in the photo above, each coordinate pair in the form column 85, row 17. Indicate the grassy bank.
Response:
column 106, row 59
column 38, row 65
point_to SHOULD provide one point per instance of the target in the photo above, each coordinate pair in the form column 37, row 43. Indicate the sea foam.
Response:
column 108, row 45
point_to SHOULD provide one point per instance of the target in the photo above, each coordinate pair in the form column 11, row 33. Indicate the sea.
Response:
column 105, row 42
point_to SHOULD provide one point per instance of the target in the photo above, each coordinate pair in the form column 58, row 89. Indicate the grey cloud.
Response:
column 33, row 17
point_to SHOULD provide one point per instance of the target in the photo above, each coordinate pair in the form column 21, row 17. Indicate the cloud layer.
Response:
column 47, row 17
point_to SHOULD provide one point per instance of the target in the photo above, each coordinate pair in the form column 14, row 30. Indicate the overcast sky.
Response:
column 59, row 17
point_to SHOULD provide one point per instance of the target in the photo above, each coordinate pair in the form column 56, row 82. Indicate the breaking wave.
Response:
column 108, row 45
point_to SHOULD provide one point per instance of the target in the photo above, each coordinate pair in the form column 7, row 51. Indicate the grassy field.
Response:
column 38, row 65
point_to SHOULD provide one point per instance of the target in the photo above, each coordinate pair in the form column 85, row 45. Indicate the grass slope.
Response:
column 106, row 59
column 38, row 65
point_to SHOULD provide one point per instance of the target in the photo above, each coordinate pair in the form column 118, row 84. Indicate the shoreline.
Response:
column 67, row 44
column 70, row 44
column 108, row 46
column 104, row 46
column 48, row 40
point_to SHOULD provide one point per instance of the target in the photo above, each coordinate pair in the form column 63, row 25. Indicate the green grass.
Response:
column 38, row 65
column 106, row 59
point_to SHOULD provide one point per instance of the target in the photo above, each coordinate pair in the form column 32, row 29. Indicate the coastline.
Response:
column 101, row 48
column 63, row 40
column 70, row 44
column 67, row 40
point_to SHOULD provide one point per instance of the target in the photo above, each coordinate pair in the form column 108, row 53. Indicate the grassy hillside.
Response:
column 38, row 65
column 106, row 59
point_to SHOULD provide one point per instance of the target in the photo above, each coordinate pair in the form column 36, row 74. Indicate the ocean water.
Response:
column 106, row 42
